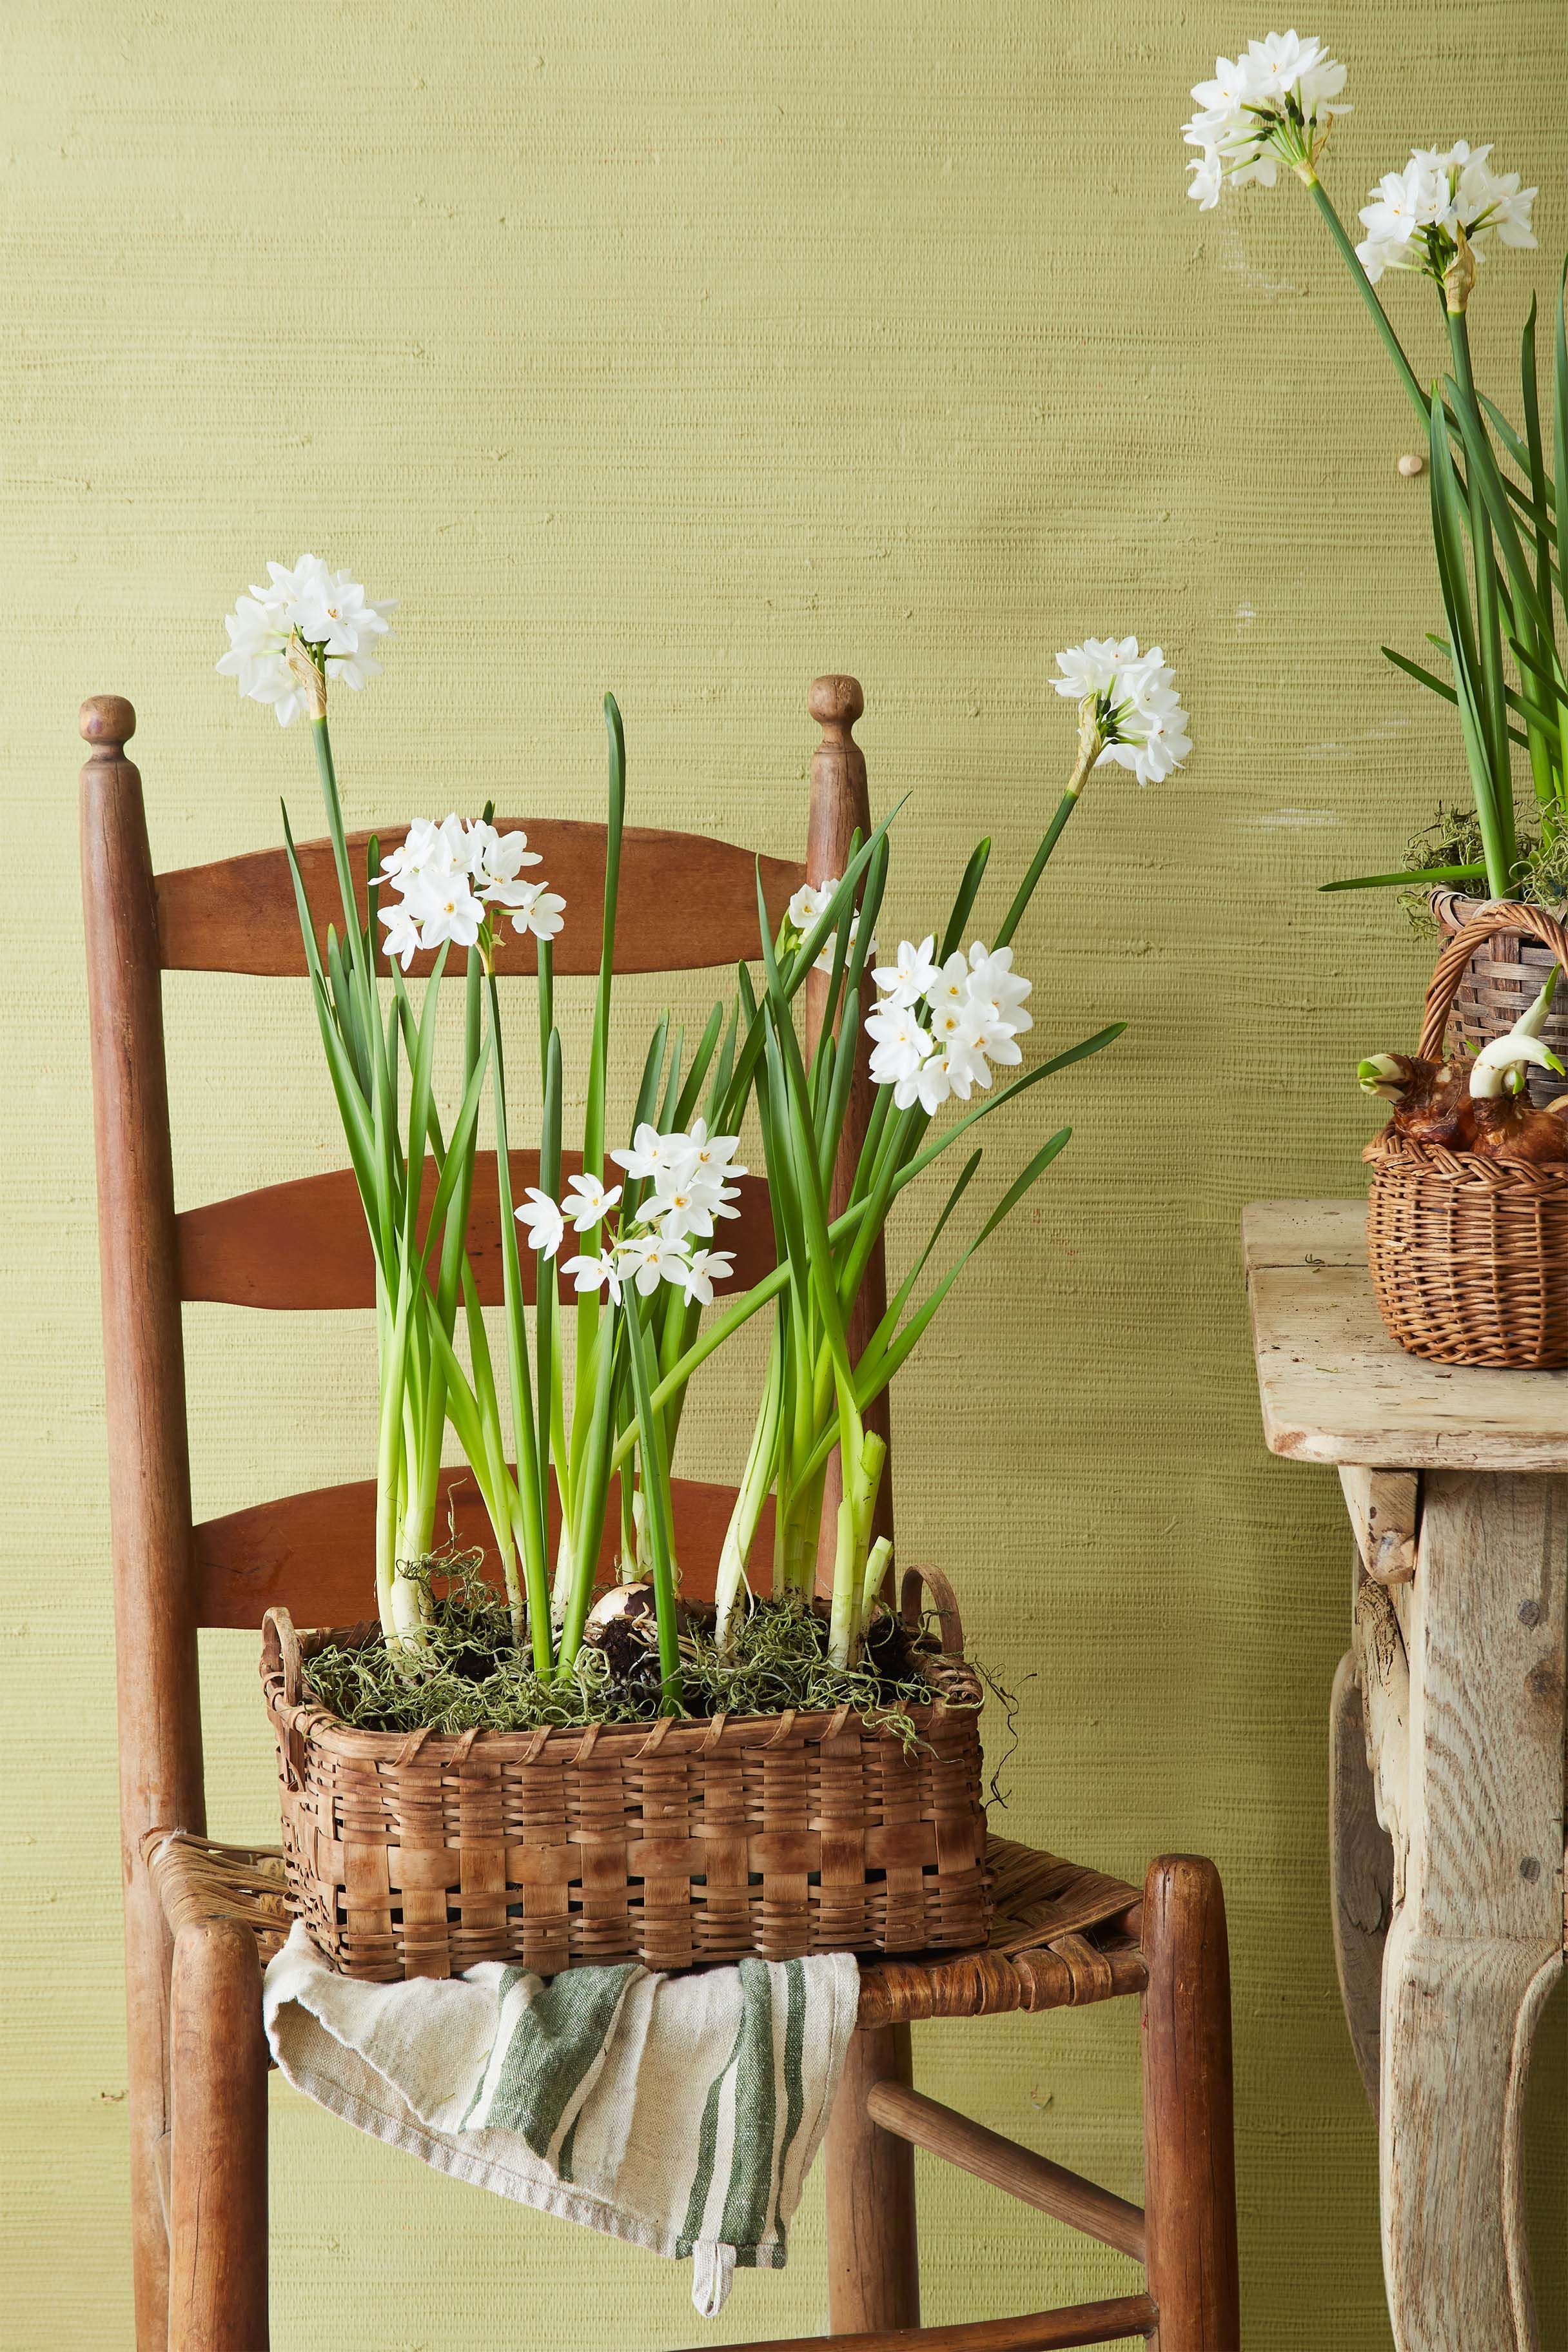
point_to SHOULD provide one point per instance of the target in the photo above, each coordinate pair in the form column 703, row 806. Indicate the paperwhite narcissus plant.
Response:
column 574, row 1425
column 1416, row 218
column 1493, row 532
column 1274, row 104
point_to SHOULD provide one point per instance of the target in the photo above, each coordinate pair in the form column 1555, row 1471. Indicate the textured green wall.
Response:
column 695, row 349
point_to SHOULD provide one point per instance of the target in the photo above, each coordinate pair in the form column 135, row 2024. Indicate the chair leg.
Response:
column 1189, row 2155
column 873, row 2264
column 217, row 2190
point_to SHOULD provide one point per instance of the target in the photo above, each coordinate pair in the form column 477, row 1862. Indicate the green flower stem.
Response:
column 1489, row 625
column 530, row 1472
column 1368, row 293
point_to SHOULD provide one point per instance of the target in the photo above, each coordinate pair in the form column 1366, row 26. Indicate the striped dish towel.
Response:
column 680, row 2112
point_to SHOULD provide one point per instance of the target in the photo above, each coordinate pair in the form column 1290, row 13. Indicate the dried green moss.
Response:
column 1454, row 838
column 474, row 1676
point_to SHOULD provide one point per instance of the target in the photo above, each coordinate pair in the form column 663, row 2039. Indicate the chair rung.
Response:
column 1123, row 2316
column 1033, row 2180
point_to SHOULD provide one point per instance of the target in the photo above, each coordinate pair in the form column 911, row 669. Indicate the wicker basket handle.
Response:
column 944, row 1599
column 1502, row 915
column 280, row 1654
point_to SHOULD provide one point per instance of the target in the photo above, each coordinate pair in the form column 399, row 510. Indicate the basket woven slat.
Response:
column 1469, row 1257
column 422, row 1855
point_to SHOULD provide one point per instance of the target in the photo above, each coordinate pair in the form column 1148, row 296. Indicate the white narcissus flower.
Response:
column 588, row 1203
column 426, row 848
column 994, row 985
column 327, row 610
column 1134, row 715
column 949, row 991
column 812, row 899
column 809, row 902
column 900, row 1045
column 906, row 978
column 679, row 1207
column 595, row 1272
column 651, row 1153
column 1273, row 104
column 450, row 876
column 495, row 859
column 974, row 1008
column 712, row 1155
column 541, row 1215
column 533, row 907
column 445, row 909
column 403, row 935
column 701, row 1271
column 647, row 1261
column 1414, row 218
column 930, row 1086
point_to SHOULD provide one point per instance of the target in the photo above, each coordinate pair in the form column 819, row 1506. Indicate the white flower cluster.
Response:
column 938, row 1026
column 1263, row 106
column 328, row 611
column 691, row 1176
column 1413, row 217
column 449, row 875
column 811, row 900
column 1138, row 712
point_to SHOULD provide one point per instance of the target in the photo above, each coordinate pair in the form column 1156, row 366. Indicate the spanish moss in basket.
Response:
column 475, row 1675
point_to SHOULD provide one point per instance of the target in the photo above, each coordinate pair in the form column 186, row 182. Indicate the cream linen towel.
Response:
column 679, row 2112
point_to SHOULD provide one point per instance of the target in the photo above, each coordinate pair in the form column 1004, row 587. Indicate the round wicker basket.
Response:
column 673, row 1842
column 1469, row 1257
column 1505, row 971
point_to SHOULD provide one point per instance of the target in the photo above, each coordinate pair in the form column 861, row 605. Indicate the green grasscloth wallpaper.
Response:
column 693, row 350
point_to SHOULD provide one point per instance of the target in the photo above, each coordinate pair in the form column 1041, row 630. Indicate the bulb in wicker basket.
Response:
column 1431, row 1100
column 1508, row 1124
column 624, row 1624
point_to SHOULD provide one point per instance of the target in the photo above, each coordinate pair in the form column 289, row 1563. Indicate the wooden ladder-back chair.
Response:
column 200, row 1917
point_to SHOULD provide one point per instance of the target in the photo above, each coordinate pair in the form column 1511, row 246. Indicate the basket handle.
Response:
column 944, row 1600
column 1502, row 915
column 280, row 1654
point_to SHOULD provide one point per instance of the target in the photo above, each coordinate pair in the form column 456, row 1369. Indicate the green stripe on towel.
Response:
column 559, row 2039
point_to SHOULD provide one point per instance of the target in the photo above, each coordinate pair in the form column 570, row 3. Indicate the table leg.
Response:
column 1476, row 1941
column 1361, row 1873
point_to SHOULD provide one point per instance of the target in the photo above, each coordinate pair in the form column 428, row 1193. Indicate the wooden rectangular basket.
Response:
column 674, row 1844
column 1469, row 1256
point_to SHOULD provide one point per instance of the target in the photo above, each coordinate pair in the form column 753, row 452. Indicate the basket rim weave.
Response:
column 1406, row 1153
column 286, row 1649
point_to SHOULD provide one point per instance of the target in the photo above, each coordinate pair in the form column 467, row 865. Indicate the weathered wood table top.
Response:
column 1335, row 1388
column 1446, row 1736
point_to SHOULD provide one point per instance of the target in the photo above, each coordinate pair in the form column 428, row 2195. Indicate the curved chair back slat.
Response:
column 304, row 1245
column 686, row 903
column 308, row 1551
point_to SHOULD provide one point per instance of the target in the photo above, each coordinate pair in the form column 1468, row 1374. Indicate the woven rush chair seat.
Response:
column 1062, row 1935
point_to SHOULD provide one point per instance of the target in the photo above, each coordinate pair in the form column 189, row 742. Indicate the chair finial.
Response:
column 107, row 723
column 837, row 702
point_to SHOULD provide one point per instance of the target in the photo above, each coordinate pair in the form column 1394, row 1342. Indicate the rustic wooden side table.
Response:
column 1447, row 1754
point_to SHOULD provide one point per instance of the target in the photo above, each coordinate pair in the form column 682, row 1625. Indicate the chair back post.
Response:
column 841, row 807
column 149, row 1467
